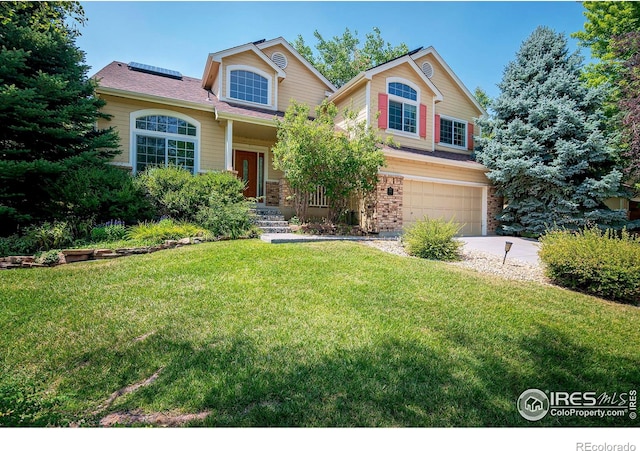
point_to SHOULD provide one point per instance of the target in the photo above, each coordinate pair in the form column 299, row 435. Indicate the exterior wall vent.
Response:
column 279, row 59
column 427, row 69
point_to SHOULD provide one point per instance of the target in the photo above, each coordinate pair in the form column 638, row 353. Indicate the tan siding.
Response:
column 354, row 101
column 248, row 58
column 300, row 84
column 379, row 84
column 456, row 103
column 211, row 134
column 424, row 169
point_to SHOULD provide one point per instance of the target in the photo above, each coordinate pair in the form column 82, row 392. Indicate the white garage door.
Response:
column 437, row 200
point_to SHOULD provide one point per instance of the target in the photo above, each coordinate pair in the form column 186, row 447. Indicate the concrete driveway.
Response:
column 523, row 249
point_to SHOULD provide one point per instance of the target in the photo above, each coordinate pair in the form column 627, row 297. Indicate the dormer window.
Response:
column 249, row 85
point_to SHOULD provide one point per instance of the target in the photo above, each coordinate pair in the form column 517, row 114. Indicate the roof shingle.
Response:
column 117, row 75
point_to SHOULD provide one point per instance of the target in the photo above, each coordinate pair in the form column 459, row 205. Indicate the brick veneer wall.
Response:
column 381, row 212
column 273, row 194
column 494, row 208
column 284, row 194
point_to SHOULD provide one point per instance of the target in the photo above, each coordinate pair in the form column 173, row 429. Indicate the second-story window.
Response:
column 249, row 86
column 403, row 107
column 453, row 132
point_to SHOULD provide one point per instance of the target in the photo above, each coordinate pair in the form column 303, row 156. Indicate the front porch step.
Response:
column 270, row 223
column 270, row 220
column 275, row 229
column 269, row 217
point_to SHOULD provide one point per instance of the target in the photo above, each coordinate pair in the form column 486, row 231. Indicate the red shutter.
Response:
column 437, row 130
column 423, row 121
column 383, row 106
column 470, row 136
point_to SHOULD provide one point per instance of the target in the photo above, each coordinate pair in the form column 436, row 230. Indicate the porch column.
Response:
column 228, row 146
column 485, row 201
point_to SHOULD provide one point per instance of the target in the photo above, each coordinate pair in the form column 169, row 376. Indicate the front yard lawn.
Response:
column 316, row 334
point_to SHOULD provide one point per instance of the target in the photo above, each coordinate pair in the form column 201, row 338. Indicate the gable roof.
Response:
column 432, row 51
column 117, row 79
column 369, row 73
column 294, row 52
column 215, row 59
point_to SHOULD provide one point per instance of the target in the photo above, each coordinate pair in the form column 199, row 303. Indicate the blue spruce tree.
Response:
column 545, row 148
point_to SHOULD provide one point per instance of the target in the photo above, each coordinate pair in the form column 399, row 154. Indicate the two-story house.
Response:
column 226, row 121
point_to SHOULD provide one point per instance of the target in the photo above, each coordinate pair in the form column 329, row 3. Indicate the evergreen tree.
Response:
column 48, row 109
column 546, row 152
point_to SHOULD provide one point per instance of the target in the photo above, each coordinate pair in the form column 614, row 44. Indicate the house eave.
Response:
column 225, row 115
column 152, row 98
column 431, row 159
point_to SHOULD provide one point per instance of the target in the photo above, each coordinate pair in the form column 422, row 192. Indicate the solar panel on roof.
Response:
column 155, row 70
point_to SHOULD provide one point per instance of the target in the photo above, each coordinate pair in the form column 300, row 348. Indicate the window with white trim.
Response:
column 403, row 107
column 162, row 140
column 249, row 86
column 453, row 132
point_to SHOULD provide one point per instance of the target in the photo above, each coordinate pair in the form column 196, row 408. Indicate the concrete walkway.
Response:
column 523, row 249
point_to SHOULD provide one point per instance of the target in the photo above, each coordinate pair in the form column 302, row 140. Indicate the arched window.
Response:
column 403, row 107
column 249, row 86
column 162, row 138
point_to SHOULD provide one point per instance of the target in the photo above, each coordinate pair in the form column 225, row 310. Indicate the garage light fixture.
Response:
column 390, row 191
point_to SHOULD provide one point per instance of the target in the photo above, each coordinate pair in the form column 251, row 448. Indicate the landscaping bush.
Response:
column 167, row 229
column 232, row 220
column 114, row 230
column 15, row 245
column 213, row 200
column 175, row 192
column 99, row 193
column 47, row 236
column 604, row 264
column 433, row 239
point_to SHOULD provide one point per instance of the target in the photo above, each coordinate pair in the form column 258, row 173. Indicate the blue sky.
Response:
column 477, row 39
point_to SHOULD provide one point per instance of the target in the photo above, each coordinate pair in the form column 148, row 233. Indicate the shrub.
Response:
column 604, row 264
column 231, row 220
column 167, row 229
column 47, row 236
column 175, row 192
column 114, row 230
column 49, row 258
column 213, row 200
column 99, row 193
column 433, row 239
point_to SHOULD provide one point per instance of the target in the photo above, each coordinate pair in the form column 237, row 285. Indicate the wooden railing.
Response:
column 318, row 198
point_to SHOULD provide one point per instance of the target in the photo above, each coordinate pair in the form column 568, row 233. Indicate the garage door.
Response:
column 437, row 200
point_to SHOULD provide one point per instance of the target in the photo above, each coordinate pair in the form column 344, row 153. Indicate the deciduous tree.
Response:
column 340, row 59
column 313, row 152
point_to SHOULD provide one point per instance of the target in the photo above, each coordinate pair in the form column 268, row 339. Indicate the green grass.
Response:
column 316, row 334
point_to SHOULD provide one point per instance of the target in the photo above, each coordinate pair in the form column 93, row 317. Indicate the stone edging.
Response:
column 78, row 255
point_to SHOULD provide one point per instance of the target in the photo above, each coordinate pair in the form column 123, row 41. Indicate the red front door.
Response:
column 246, row 166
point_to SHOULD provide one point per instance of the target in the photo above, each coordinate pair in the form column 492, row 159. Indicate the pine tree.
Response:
column 546, row 151
column 48, row 109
